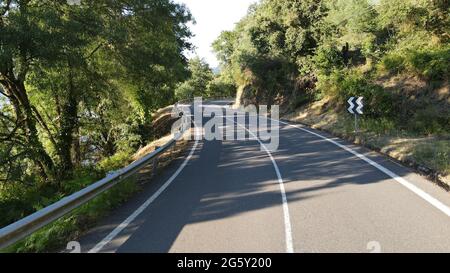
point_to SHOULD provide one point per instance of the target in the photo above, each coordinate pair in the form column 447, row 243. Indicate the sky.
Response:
column 213, row 17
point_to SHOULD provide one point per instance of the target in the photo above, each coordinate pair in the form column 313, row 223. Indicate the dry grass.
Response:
column 146, row 174
column 430, row 152
column 152, row 147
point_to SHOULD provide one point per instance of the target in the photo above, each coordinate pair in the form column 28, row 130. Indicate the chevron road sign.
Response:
column 356, row 105
column 356, row 108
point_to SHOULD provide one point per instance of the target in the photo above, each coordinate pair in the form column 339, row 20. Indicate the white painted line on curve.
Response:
column 286, row 216
column 430, row 199
column 136, row 213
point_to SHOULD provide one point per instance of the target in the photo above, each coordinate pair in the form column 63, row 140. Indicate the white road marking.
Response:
column 430, row 199
column 287, row 219
column 135, row 214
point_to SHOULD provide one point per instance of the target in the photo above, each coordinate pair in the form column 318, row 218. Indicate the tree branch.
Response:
column 94, row 51
column 44, row 126
column 3, row 93
column 6, row 8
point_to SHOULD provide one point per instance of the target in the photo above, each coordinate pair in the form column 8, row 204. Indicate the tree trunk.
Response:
column 23, row 111
column 68, row 124
column 76, row 149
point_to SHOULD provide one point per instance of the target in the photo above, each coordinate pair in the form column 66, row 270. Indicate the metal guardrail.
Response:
column 28, row 225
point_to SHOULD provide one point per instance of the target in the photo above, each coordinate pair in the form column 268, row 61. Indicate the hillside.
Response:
column 310, row 57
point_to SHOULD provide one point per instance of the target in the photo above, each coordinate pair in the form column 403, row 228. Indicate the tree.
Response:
column 222, row 86
column 31, row 33
column 58, row 60
column 272, row 46
column 197, row 84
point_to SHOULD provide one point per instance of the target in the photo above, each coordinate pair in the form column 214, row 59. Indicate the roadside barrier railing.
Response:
column 32, row 223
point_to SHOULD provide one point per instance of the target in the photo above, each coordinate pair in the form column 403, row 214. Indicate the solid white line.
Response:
column 287, row 219
column 135, row 214
column 430, row 199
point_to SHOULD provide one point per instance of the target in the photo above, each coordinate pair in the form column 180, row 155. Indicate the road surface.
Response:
column 316, row 193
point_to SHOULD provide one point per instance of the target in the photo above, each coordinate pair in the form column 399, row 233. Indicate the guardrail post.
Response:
column 155, row 163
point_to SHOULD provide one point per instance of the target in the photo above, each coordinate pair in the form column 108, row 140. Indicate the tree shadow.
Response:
column 227, row 179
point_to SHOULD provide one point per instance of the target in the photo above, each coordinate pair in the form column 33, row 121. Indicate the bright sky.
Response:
column 213, row 17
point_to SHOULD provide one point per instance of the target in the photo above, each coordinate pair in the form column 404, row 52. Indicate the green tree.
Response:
column 58, row 60
column 272, row 46
column 197, row 84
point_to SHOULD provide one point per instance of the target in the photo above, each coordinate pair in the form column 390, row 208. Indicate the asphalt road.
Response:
column 316, row 193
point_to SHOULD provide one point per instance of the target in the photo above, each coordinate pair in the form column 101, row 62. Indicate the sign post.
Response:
column 356, row 109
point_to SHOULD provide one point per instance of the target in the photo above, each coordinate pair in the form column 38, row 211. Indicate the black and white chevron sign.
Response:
column 356, row 105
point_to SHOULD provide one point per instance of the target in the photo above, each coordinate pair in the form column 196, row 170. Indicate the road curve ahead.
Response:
column 315, row 193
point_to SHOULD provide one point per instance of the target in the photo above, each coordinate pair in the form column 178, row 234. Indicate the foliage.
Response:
column 327, row 58
column 114, row 162
column 78, row 86
column 301, row 51
column 221, row 87
column 57, row 234
column 101, row 68
column 197, row 84
column 79, row 83
column 343, row 84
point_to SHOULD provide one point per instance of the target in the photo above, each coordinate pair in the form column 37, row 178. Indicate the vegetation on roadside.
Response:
column 416, row 150
column 300, row 53
column 78, row 88
column 202, row 82
column 56, row 235
column 79, row 85
column 70, row 227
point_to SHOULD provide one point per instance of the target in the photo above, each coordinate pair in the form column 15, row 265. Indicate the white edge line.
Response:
column 287, row 219
column 430, row 199
column 135, row 214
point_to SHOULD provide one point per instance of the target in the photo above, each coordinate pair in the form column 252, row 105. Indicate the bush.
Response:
column 18, row 201
column 430, row 120
column 83, row 178
column 393, row 63
column 218, row 88
column 115, row 162
column 343, row 84
column 429, row 63
column 56, row 235
column 327, row 58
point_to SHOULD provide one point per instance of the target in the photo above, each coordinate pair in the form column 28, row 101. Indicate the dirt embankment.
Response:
column 428, row 154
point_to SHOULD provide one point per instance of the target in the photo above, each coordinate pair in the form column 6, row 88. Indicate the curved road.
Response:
column 316, row 193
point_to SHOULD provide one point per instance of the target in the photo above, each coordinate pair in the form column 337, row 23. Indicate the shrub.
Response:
column 114, row 162
column 327, row 58
column 431, row 119
column 429, row 63
column 18, row 200
column 343, row 84
column 59, row 233
column 393, row 63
